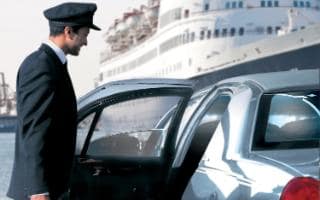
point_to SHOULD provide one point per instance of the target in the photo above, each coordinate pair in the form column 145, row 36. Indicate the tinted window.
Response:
column 190, row 110
column 202, row 35
column 224, row 32
column 211, row 119
column 208, row 34
column 308, row 5
column 288, row 120
column 206, row 7
column 269, row 30
column 240, row 4
column 232, row 31
column 186, row 13
column 130, row 128
column 203, row 127
column 206, row 128
column 234, row 4
column 228, row 5
column 241, row 31
column 82, row 132
column 216, row 33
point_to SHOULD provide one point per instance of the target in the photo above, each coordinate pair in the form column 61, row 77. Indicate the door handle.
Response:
column 88, row 160
column 97, row 170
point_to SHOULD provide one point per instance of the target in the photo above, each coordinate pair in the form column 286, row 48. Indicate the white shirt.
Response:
column 58, row 51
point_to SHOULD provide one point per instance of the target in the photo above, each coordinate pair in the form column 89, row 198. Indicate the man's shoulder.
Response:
column 40, row 55
column 37, row 60
column 37, row 67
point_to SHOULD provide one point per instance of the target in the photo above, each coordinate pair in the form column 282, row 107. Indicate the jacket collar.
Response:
column 51, row 53
column 61, row 55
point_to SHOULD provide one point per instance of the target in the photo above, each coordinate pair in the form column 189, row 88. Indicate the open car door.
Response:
column 126, row 138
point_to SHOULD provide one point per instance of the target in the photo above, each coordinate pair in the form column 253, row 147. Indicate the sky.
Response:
column 23, row 28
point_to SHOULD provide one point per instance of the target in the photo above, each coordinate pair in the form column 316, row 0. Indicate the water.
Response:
column 6, row 162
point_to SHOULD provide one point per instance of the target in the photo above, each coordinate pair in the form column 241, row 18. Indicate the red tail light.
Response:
column 301, row 188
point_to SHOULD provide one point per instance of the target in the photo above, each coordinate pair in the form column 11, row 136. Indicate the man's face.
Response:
column 77, row 40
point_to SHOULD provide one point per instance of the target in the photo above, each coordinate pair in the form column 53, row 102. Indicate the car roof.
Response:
column 115, row 87
column 278, row 80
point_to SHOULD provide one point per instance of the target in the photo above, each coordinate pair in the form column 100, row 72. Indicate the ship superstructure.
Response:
column 185, row 38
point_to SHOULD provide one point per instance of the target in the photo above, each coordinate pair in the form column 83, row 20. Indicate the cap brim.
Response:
column 95, row 27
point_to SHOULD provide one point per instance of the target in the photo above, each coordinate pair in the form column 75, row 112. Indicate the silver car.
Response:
column 260, row 131
column 242, row 138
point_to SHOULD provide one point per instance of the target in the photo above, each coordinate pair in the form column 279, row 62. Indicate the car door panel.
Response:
column 116, row 161
column 115, row 178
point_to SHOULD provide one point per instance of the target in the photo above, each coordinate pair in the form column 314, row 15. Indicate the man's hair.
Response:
column 56, row 30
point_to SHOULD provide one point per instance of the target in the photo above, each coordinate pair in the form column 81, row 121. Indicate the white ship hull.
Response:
column 217, row 36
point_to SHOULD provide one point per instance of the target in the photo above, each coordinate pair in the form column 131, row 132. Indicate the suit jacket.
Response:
column 46, row 129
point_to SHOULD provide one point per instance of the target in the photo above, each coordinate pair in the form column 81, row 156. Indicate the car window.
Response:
column 208, row 124
column 291, row 120
column 130, row 128
column 214, row 112
column 82, row 132
column 193, row 104
column 194, row 143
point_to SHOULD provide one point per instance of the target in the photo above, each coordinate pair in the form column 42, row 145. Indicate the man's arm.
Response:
column 36, row 94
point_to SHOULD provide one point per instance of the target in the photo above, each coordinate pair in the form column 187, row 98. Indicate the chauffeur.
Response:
column 46, row 106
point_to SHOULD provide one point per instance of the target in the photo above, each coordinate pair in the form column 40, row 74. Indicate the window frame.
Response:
column 99, row 105
column 193, row 121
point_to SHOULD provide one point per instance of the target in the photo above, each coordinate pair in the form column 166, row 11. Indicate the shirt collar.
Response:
column 62, row 57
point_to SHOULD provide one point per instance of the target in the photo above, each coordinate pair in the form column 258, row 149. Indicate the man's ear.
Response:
column 68, row 32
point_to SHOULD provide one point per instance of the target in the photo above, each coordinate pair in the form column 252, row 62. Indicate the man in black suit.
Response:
column 46, row 106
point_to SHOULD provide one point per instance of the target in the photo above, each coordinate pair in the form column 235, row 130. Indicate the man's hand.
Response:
column 40, row 197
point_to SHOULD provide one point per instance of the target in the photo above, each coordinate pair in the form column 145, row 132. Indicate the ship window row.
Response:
column 207, row 34
column 133, row 64
column 188, row 37
column 184, row 38
column 302, row 4
column 170, row 69
column 233, row 32
column 175, row 41
column 234, row 4
column 263, row 3
column 269, row 3
column 216, row 33
column 225, row 32
column 177, row 13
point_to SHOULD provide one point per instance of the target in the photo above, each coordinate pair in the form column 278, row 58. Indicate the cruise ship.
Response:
column 211, row 39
